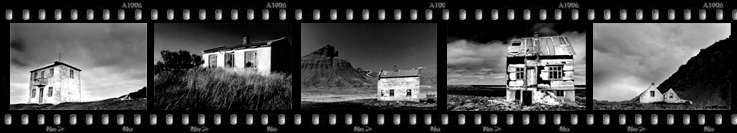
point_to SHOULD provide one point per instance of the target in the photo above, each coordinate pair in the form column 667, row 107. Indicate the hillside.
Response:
column 705, row 78
column 326, row 69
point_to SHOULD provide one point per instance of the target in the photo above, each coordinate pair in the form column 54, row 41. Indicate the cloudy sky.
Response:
column 375, row 46
column 476, row 52
column 630, row 56
column 196, row 37
column 112, row 57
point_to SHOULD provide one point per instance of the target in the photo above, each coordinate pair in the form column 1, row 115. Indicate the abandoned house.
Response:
column 263, row 56
column 653, row 95
column 538, row 67
column 399, row 85
column 55, row 83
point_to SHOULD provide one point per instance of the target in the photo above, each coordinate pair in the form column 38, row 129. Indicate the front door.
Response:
column 526, row 97
column 41, row 95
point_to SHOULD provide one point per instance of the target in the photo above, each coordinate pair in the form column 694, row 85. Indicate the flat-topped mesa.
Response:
column 328, row 51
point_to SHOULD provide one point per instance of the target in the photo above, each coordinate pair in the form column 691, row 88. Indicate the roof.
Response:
column 645, row 91
column 55, row 64
column 547, row 45
column 259, row 44
column 400, row 73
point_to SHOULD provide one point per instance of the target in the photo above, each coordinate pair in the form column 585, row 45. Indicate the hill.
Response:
column 705, row 78
column 131, row 101
column 325, row 68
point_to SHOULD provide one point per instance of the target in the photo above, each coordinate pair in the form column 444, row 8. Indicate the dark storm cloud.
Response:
column 629, row 56
column 478, row 51
column 17, row 44
column 112, row 57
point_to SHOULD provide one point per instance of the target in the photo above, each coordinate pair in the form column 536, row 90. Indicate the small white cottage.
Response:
column 55, row 83
column 263, row 56
column 399, row 85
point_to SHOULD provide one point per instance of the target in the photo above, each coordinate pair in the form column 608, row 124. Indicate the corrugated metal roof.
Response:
column 244, row 46
column 400, row 73
column 548, row 45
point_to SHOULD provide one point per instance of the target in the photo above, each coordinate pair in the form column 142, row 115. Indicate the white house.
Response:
column 55, row 83
column 263, row 56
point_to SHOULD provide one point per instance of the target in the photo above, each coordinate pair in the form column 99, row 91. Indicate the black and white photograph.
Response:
column 201, row 66
column 78, row 66
column 516, row 66
column 369, row 66
column 662, row 66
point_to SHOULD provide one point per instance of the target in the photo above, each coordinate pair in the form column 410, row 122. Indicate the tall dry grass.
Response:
column 222, row 89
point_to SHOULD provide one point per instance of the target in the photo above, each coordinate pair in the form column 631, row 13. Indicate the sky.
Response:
column 476, row 52
column 628, row 57
column 112, row 57
column 196, row 37
column 374, row 46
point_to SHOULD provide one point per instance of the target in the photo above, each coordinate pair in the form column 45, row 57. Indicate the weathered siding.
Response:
column 63, row 87
column 400, row 87
column 263, row 58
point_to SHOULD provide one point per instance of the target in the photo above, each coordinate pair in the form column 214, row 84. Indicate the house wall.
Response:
column 65, row 88
column 646, row 98
column 263, row 58
column 400, row 87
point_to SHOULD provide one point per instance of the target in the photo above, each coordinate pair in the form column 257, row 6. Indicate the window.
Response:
column 382, row 93
column 229, row 60
column 52, row 73
column 391, row 92
column 652, row 93
column 42, row 74
column 556, row 72
column 213, row 60
column 559, row 93
column 33, row 93
column 51, row 91
column 409, row 92
column 71, row 73
column 35, row 75
column 520, row 73
column 671, row 96
column 250, row 60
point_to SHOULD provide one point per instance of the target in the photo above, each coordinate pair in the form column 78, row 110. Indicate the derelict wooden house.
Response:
column 55, row 83
column 263, row 56
column 399, row 85
column 538, row 65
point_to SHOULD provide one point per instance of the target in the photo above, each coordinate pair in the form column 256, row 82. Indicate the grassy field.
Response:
column 108, row 104
column 359, row 98
column 627, row 105
column 222, row 89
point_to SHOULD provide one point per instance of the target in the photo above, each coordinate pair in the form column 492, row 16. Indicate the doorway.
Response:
column 41, row 95
column 526, row 97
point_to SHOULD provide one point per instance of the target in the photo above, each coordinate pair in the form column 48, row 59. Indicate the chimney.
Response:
column 246, row 39
column 535, row 35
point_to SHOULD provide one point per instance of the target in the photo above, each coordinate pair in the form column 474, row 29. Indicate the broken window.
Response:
column 52, row 73
column 556, row 72
column 250, row 59
column 229, row 59
column 213, row 60
column 51, row 91
column 391, row 92
column 409, row 92
column 652, row 93
column 33, row 93
column 42, row 74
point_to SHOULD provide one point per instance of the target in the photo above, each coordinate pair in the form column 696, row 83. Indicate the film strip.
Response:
column 462, row 114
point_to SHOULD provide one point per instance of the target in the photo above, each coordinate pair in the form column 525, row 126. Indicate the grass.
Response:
column 109, row 104
column 222, row 89
column 627, row 105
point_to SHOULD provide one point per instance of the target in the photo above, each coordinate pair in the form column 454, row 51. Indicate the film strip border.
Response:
column 284, row 14
column 472, row 122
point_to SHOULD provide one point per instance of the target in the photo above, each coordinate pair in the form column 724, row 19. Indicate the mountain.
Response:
column 325, row 68
column 705, row 78
column 429, row 75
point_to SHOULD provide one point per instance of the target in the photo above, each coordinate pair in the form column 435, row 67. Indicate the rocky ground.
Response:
column 491, row 103
column 627, row 105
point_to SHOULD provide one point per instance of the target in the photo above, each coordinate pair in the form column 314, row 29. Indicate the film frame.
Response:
column 441, row 120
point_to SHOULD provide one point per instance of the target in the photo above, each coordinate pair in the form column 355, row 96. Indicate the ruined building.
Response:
column 263, row 56
column 55, row 83
column 539, row 67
